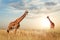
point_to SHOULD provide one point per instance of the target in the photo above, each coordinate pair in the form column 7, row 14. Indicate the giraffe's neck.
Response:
column 49, row 20
column 51, row 23
column 21, row 18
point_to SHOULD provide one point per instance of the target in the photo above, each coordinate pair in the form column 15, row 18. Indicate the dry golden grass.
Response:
column 29, row 35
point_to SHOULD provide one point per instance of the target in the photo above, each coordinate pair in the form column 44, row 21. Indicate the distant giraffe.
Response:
column 16, row 24
column 51, row 23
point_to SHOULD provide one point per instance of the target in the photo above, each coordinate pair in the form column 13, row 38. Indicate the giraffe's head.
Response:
column 26, row 11
column 48, row 17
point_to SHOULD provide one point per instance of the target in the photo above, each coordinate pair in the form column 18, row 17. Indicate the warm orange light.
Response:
column 45, row 24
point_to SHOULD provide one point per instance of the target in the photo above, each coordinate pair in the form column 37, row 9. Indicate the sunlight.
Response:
column 45, row 24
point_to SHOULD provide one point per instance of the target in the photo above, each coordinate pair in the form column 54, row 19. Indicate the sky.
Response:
column 12, row 9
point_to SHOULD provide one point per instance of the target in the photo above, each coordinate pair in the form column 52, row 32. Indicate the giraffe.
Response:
column 51, row 23
column 16, row 24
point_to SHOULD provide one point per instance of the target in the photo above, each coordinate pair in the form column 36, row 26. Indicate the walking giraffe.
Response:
column 16, row 24
column 51, row 23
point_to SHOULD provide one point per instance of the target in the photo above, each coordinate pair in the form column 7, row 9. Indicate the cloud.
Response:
column 50, row 3
column 26, row 5
column 33, row 4
column 35, row 7
column 11, row 10
column 30, row 4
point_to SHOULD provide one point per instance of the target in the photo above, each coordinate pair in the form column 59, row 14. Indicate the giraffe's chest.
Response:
column 52, row 23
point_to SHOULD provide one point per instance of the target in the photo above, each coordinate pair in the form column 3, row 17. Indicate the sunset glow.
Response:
column 45, row 24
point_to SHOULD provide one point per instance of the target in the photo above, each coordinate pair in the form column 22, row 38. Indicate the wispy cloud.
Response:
column 35, row 6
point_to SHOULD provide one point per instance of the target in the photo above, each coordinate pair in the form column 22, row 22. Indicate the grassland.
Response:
column 29, row 35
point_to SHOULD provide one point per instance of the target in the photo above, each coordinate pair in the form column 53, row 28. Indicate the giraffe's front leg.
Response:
column 8, row 30
column 17, row 26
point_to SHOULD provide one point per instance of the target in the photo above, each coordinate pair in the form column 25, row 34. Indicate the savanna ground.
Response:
column 29, row 35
